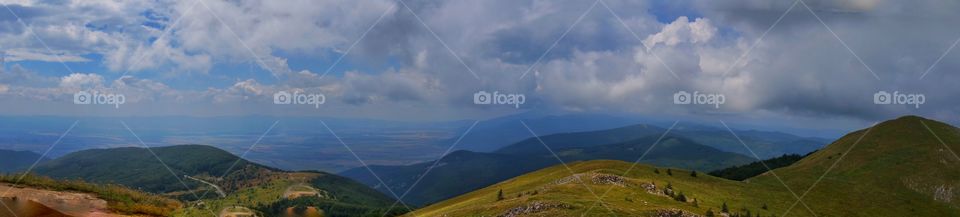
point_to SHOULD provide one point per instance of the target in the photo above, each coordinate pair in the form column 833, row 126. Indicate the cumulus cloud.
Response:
column 682, row 30
column 80, row 80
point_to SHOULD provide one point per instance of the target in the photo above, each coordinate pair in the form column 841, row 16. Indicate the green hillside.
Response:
column 555, row 191
column 247, row 184
column 899, row 168
column 463, row 171
column 138, row 168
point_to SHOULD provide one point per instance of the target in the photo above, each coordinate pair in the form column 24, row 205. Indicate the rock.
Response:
column 607, row 179
column 674, row 213
column 649, row 187
column 533, row 207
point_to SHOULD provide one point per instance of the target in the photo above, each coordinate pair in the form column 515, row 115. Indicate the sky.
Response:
column 811, row 61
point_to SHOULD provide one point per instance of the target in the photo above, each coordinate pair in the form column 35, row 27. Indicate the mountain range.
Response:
column 14, row 161
column 474, row 170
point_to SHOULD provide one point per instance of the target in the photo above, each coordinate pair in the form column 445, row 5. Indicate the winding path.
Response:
column 219, row 190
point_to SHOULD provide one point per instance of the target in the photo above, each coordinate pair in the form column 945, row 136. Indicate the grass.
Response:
column 347, row 196
column 119, row 199
column 710, row 192
column 248, row 197
column 899, row 168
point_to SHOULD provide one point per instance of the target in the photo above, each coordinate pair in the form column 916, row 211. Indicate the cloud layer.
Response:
column 423, row 57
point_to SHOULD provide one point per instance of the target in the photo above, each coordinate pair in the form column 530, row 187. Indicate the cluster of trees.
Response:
column 670, row 172
column 678, row 196
column 329, row 208
column 744, row 172
column 245, row 176
column 119, row 199
column 500, row 195
column 744, row 212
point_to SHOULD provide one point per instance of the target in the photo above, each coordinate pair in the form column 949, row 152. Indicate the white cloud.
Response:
column 80, row 80
column 682, row 31
column 23, row 55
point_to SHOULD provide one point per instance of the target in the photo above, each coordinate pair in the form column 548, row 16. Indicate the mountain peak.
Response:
column 909, row 129
column 906, row 119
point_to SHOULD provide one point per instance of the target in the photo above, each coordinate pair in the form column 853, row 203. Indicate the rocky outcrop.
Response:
column 673, row 213
column 533, row 207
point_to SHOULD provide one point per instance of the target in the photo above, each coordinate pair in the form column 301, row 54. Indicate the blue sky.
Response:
column 777, row 60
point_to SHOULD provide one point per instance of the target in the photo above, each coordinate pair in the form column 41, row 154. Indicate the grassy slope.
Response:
column 894, row 171
column 710, row 192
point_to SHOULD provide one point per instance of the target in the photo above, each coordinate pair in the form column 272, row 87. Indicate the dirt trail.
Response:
column 70, row 203
column 215, row 187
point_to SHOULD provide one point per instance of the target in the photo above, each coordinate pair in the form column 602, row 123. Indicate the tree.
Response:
column 693, row 173
column 668, row 190
column 724, row 208
column 709, row 212
column 764, row 207
column 669, row 172
column 500, row 195
column 655, row 170
column 680, row 197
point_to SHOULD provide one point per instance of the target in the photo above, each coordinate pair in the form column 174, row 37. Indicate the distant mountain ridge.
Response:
column 492, row 134
column 16, row 161
column 765, row 144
